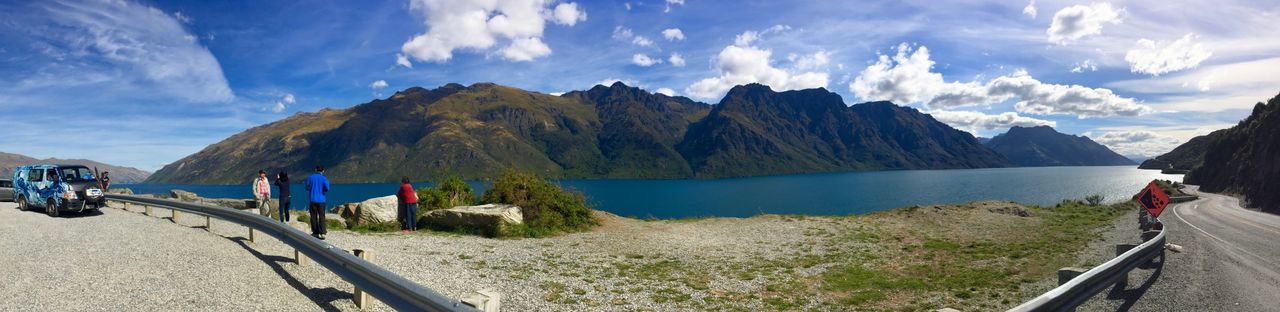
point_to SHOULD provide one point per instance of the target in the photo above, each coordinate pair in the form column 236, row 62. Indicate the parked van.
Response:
column 6, row 190
column 57, row 188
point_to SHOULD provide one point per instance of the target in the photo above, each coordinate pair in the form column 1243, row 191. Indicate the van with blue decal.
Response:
column 57, row 188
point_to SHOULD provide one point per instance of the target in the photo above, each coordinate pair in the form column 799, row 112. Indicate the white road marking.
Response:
column 1197, row 206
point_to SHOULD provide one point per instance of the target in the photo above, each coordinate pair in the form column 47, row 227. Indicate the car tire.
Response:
column 51, row 208
column 22, row 204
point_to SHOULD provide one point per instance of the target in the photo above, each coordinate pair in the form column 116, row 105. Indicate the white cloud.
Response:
column 1137, row 142
column 403, row 60
column 609, row 82
column 625, row 34
column 676, row 60
column 128, row 49
column 1088, row 65
column 284, row 101
column 527, row 49
column 627, row 5
column 673, row 34
column 972, row 122
column 183, row 17
column 1078, row 21
column 1030, row 9
column 740, row 65
column 1149, row 57
column 641, row 41
column 746, row 38
column 644, row 60
column 670, row 2
column 378, row 84
column 811, row 61
column 666, row 91
column 907, row 77
column 480, row 25
column 568, row 14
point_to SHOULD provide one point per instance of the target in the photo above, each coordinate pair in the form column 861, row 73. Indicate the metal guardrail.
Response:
column 1075, row 292
column 391, row 289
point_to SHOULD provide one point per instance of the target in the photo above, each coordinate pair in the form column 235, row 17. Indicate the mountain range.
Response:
column 1242, row 159
column 1184, row 157
column 613, row 131
column 1043, row 146
column 9, row 161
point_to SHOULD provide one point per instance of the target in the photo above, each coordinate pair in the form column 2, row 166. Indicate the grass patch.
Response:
column 547, row 208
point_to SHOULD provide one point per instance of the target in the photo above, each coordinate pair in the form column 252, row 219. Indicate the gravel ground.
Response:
column 151, row 263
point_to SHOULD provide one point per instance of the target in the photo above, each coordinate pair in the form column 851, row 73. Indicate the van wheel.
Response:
column 22, row 203
column 51, row 208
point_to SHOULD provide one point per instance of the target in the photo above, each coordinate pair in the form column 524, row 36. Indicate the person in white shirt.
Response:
column 262, row 193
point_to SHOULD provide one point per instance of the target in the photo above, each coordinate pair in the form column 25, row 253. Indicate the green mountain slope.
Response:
column 1184, row 157
column 616, row 131
column 1242, row 159
column 1044, row 146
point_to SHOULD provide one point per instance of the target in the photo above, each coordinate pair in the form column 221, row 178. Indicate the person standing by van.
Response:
column 317, row 187
column 286, row 199
column 262, row 194
column 408, row 206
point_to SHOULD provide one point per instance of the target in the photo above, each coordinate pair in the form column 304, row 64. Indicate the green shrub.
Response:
column 1094, row 200
column 448, row 193
column 547, row 208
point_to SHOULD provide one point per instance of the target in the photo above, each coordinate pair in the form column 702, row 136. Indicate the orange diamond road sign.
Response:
column 1153, row 199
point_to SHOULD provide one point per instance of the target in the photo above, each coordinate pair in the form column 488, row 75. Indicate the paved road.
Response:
column 1231, row 262
column 117, row 260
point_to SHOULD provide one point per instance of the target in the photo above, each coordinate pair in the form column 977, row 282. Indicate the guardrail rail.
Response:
column 1080, row 288
column 393, row 290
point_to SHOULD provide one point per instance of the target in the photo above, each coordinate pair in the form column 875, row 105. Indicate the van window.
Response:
column 73, row 174
column 6, row 184
column 36, row 175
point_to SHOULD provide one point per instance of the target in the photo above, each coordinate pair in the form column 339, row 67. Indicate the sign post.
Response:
column 1153, row 199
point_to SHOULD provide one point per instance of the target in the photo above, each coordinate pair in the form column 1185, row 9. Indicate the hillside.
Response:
column 1043, row 146
column 1184, row 157
column 1242, row 159
column 9, row 161
column 616, row 131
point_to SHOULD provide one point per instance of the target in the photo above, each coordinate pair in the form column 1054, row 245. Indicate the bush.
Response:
column 547, row 208
column 448, row 193
column 1094, row 200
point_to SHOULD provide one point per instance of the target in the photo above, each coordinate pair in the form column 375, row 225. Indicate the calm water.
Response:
column 813, row 194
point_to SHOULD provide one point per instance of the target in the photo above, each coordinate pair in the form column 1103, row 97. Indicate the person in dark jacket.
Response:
column 408, row 206
column 106, row 180
column 282, row 183
column 317, row 187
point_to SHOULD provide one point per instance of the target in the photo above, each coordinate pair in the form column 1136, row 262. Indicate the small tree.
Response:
column 1094, row 200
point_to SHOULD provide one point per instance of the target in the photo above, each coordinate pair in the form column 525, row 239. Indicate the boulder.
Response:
column 184, row 195
column 490, row 218
column 377, row 210
column 347, row 210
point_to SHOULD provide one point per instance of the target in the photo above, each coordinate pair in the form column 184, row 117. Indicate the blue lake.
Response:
column 812, row 194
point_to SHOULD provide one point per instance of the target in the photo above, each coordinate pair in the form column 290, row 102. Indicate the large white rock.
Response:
column 492, row 217
column 377, row 209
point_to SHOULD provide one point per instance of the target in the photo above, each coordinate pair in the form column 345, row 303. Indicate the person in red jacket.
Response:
column 408, row 206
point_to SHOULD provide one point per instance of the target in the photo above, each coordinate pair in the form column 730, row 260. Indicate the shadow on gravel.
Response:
column 1131, row 296
column 323, row 298
column 70, row 214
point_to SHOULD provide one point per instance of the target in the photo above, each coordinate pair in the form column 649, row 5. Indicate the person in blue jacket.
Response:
column 317, row 187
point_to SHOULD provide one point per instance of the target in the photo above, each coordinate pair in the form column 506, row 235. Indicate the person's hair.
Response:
column 262, row 172
column 404, row 179
column 283, row 176
column 319, row 168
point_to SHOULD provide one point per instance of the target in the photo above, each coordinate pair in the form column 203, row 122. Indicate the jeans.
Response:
column 264, row 206
column 317, row 219
column 410, row 221
column 285, row 207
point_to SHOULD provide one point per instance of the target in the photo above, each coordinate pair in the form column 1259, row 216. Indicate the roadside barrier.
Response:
column 1075, row 290
column 393, row 290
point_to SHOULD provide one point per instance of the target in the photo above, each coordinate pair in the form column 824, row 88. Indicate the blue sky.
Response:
column 144, row 83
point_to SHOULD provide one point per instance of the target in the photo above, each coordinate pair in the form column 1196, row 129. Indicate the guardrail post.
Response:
column 489, row 300
column 362, row 298
column 207, row 224
column 148, row 210
column 1066, row 274
column 173, row 214
column 299, row 258
column 1120, row 250
column 251, row 235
